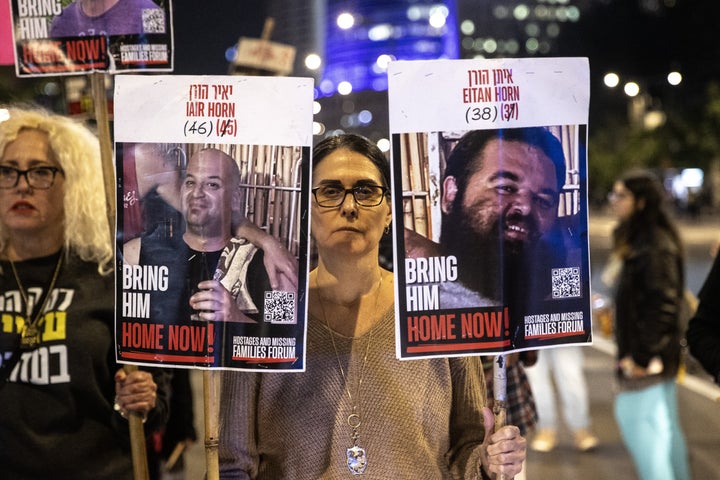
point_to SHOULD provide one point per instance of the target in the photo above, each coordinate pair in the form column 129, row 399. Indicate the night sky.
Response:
column 623, row 35
column 627, row 36
column 203, row 33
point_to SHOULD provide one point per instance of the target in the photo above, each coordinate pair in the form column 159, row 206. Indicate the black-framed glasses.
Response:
column 365, row 195
column 37, row 177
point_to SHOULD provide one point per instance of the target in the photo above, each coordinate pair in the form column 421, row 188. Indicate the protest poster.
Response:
column 70, row 37
column 490, row 209
column 207, row 165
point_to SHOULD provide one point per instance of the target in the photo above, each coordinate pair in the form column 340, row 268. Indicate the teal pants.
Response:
column 650, row 427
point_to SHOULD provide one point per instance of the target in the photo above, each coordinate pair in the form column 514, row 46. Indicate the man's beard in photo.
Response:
column 487, row 263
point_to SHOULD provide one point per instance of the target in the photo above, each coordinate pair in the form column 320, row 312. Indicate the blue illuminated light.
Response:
column 396, row 29
column 231, row 53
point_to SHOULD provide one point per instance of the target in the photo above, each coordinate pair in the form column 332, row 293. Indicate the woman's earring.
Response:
column 387, row 229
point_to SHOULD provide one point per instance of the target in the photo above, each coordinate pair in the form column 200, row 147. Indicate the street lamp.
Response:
column 611, row 80
column 674, row 78
column 631, row 89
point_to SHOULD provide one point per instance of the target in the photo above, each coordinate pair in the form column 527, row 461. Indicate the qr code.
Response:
column 565, row 282
column 280, row 307
column 153, row 20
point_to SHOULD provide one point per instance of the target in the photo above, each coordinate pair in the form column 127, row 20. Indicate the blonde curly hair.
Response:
column 77, row 150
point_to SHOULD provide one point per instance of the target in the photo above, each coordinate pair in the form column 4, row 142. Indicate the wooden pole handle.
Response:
column 102, row 119
column 103, row 127
column 211, row 394
column 500, row 396
column 137, row 439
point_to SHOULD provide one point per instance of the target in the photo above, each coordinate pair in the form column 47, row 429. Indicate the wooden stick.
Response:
column 103, row 127
column 211, row 396
column 175, row 455
column 500, row 395
column 268, row 29
column 135, row 420
column 137, row 439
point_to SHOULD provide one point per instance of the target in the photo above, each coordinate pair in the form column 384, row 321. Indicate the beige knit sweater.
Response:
column 421, row 419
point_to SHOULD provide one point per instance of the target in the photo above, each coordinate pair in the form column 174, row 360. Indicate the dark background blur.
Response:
column 666, row 127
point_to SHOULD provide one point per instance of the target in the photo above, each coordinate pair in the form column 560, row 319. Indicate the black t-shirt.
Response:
column 56, row 409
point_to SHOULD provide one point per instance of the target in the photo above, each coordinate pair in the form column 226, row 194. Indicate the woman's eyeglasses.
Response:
column 333, row 196
column 37, row 177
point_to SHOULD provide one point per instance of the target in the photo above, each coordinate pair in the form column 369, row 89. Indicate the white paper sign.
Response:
column 213, row 109
column 489, row 163
column 199, row 159
column 444, row 95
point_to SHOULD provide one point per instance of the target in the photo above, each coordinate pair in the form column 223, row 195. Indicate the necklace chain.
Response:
column 354, row 419
column 31, row 335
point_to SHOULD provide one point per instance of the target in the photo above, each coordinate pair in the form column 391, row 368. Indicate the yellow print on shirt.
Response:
column 45, row 364
column 53, row 323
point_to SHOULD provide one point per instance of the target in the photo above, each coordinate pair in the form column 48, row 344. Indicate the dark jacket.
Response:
column 648, row 303
column 703, row 333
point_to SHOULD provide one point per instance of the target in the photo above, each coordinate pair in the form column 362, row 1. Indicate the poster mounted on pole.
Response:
column 70, row 37
column 212, row 220
column 490, row 209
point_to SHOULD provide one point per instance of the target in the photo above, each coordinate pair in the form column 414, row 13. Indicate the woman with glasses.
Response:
column 62, row 395
column 647, row 274
column 357, row 409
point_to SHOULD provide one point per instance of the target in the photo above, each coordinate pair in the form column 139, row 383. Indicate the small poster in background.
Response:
column 490, row 209
column 62, row 37
column 212, row 179
column 7, row 57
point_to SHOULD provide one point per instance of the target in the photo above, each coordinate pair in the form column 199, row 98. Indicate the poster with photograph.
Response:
column 65, row 37
column 490, row 209
column 212, row 229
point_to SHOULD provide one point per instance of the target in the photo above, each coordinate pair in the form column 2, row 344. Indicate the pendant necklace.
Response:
column 355, row 456
column 30, row 337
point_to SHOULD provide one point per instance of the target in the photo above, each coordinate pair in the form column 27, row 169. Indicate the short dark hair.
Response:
column 461, row 161
column 357, row 144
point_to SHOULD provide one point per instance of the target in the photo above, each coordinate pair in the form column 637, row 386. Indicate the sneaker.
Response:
column 585, row 440
column 544, row 441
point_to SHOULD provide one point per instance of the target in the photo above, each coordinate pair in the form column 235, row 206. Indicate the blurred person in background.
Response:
column 648, row 281
column 564, row 364
column 63, row 398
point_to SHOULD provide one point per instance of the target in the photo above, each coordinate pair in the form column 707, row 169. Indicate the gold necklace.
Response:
column 355, row 456
column 30, row 337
